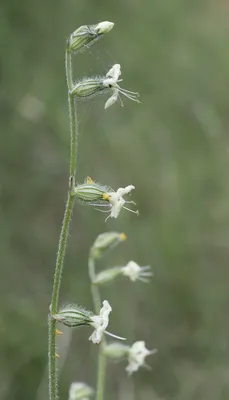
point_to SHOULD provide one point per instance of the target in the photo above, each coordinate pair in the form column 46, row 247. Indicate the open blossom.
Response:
column 135, row 272
column 97, row 195
column 90, row 87
column 111, row 82
column 76, row 316
column 100, row 323
column 79, row 390
column 136, row 357
column 117, row 201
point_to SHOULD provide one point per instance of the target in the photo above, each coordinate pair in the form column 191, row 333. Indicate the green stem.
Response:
column 72, row 112
column 97, row 305
column 101, row 373
column 53, row 386
column 94, row 288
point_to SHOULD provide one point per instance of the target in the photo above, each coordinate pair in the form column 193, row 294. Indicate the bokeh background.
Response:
column 174, row 147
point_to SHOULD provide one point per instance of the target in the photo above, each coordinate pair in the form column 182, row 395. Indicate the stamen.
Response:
column 114, row 336
column 129, row 96
column 145, row 280
column 104, row 211
column 146, row 273
column 107, row 217
column 133, row 211
column 147, row 267
column 131, row 202
column 120, row 99
column 129, row 91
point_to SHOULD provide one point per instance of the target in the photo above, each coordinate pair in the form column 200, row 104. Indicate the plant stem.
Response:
column 97, row 305
column 53, row 386
column 101, row 373
column 72, row 112
column 94, row 288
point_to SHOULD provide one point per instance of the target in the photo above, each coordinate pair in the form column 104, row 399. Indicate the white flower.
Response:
column 79, row 390
column 134, row 272
column 117, row 202
column 111, row 82
column 100, row 323
column 137, row 354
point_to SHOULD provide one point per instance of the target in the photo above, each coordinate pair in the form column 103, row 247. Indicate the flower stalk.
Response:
column 53, row 386
column 102, row 357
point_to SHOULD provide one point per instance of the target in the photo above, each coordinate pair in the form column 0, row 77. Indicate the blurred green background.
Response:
column 174, row 147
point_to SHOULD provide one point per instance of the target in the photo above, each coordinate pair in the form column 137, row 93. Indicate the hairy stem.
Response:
column 72, row 112
column 53, row 384
column 97, row 305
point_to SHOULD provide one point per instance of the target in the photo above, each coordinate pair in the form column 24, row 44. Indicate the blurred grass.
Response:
column 174, row 148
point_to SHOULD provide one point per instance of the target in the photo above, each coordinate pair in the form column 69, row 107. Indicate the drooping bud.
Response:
column 90, row 193
column 79, row 390
column 107, row 275
column 86, row 35
column 116, row 351
column 105, row 242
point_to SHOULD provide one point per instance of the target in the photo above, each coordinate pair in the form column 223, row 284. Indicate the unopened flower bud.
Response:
column 104, row 27
column 79, row 390
column 90, row 193
column 86, row 35
column 105, row 242
column 116, row 351
column 107, row 276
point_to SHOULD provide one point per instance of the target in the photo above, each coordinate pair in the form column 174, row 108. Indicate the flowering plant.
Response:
column 99, row 196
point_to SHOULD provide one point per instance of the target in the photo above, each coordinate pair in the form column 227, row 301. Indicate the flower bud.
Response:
column 86, row 35
column 90, row 193
column 105, row 242
column 116, row 350
column 107, row 275
column 79, row 390
column 104, row 27
column 89, row 87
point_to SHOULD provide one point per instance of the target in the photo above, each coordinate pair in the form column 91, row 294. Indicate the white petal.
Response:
column 111, row 100
column 114, row 72
column 123, row 191
column 100, row 322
